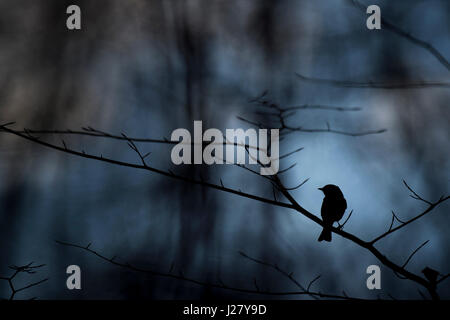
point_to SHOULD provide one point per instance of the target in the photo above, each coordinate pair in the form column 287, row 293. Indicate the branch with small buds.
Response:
column 282, row 114
column 219, row 284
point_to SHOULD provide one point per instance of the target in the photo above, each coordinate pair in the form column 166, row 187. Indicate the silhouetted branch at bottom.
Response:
column 289, row 275
column 29, row 269
column 220, row 285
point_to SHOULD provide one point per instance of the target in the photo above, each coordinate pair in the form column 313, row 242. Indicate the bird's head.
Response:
column 330, row 190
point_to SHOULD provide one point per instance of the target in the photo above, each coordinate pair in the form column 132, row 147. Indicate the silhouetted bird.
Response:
column 333, row 208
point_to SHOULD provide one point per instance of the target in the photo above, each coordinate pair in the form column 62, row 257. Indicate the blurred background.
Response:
column 149, row 67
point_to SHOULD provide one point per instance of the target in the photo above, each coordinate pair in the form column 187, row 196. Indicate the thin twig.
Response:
column 387, row 25
column 312, row 281
column 414, row 252
column 29, row 269
column 182, row 277
column 375, row 85
column 404, row 224
column 299, row 185
column 341, row 226
column 415, row 195
column 148, row 168
column 91, row 132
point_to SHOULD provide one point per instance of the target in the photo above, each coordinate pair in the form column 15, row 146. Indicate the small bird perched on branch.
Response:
column 333, row 208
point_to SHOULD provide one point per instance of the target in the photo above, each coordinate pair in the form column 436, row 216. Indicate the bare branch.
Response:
column 287, row 169
column 396, row 217
column 414, row 252
column 375, row 85
column 320, row 107
column 329, row 130
column 253, row 123
column 292, row 204
column 367, row 245
column 404, row 224
column 420, row 43
column 218, row 285
column 415, row 195
column 256, row 284
column 312, row 281
column 292, row 279
column 267, row 103
column 298, row 186
column 275, row 267
column 400, row 277
column 148, row 168
column 341, row 226
column 133, row 146
column 32, row 285
column 29, row 269
column 282, row 114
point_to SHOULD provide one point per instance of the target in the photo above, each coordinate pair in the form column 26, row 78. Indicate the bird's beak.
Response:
column 320, row 189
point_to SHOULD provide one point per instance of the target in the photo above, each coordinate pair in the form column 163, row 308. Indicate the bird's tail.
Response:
column 325, row 235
